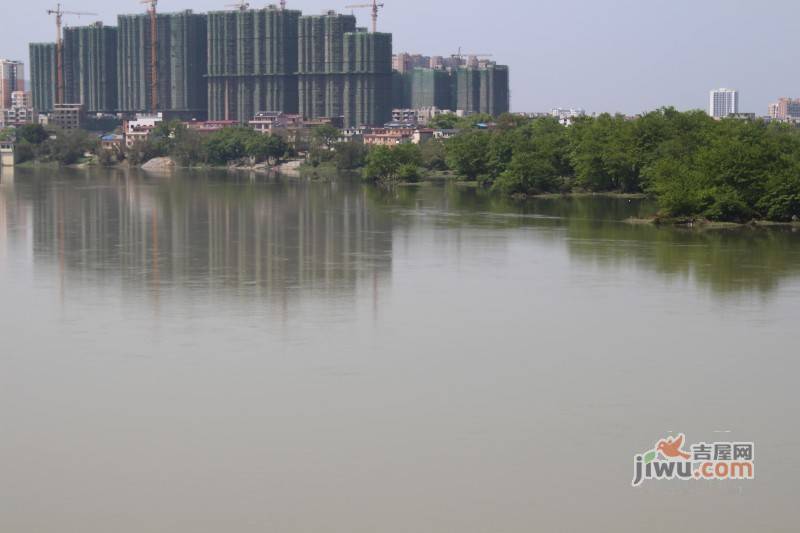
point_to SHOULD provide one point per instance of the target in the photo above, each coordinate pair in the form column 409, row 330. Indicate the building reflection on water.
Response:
column 234, row 235
column 252, row 239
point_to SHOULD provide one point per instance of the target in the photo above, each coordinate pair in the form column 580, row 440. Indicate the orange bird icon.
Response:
column 672, row 447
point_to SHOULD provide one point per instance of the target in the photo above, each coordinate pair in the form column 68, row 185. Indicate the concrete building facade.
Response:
column 182, row 64
column 43, row 76
column 367, row 78
column 252, row 63
column 321, row 62
column 90, row 67
column 12, row 79
column 67, row 116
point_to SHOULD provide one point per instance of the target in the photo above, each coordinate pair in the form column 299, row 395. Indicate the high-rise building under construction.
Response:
column 252, row 63
column 182, row 63
column 495, row 95
column 430, row 88
column 321, row 63
column 343, row 71
column 367, row 78
column 90, row 67
column 476, row 88
column 43, row 76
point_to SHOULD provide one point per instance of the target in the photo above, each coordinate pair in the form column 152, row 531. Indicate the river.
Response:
column 228, row 352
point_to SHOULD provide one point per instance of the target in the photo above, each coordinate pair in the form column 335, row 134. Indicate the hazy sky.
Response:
column 603, row 55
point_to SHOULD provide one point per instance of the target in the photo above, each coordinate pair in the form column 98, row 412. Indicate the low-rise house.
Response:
column 210, row 126
column 355, row 134
column 443, row 135
column 139, row 130
column 422, row 135
column 112, row 142
column 270, row 122
column 408, row 116
column 67, row 116
column 388, row 137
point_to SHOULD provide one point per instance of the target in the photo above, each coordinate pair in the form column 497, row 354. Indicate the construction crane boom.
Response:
column 59, row 13
column 375, row 7
column 241, row 6
column 462, row 55
column 153, row 52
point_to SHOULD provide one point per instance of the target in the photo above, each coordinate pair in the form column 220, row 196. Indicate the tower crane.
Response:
column 153, row 52
column 59, row 13
column 241, row 6
column 461, row 56
column 375, row 7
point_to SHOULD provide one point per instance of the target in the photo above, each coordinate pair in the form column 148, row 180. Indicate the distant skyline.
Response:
column 601, row 55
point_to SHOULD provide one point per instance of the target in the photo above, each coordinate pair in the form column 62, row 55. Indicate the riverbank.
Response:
column 165, row 164
column 700, row 223
column 581, row 194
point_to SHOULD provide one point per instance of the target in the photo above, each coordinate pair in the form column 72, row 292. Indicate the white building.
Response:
column 139, row 130
column 20, row 112
column 567, row 116
column 723, row 102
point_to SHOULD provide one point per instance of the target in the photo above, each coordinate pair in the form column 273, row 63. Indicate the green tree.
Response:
column 32, row 133
column 324, row 136
column 349, row 156
column 468, row 154
column 445, row 121
column 397, row 163
column 434, row 155
column 68, row 147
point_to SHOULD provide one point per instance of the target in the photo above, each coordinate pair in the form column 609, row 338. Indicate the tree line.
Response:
column 728, row 170
column 168, row 139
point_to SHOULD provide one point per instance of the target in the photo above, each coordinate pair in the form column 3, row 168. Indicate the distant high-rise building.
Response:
column 495, row 95
column 430, row 88
column 723, row 102
column 405, row 62
column 43, row 76
column 785, row 109
column 90, row 67
column 483, row 89
column 181, row 69
column 459, row 83
column 12, row 79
